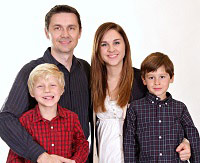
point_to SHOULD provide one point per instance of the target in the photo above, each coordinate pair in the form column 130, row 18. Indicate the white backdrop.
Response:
column 168, row 26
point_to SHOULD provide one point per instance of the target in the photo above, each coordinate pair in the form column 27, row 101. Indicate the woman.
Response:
column 114, row 83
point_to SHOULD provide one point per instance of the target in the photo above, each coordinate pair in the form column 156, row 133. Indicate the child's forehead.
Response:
column 160, row 70
column 47, row 78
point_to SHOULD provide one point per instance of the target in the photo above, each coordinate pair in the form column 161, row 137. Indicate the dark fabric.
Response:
column 138, row 88
column 62, row 135
column 76, row 97
column 155, row 128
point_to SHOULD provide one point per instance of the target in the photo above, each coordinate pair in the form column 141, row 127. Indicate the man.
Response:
column 63, row 29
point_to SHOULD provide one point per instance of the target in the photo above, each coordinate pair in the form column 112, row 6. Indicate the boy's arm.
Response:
column 80, row 145
column 11, row 131
column 191, row 133
column 129, row 140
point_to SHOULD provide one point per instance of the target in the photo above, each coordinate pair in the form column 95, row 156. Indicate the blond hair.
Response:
column 45, row 71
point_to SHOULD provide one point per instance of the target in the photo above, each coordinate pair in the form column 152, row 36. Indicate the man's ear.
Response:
column 46, row 33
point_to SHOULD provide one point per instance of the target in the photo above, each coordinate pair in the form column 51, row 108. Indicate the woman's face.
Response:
column 112, row 48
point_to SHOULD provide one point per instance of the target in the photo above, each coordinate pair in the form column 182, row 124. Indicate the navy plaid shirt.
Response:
column 153, row 129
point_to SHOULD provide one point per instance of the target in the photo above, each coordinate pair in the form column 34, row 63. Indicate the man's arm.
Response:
column 11, row 131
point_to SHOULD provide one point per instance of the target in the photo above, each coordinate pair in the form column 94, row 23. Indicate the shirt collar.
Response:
column 154, row 99
column 48, row 58
column 38, row 117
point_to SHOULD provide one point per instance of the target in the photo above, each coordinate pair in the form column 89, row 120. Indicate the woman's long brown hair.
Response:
column 99, row 72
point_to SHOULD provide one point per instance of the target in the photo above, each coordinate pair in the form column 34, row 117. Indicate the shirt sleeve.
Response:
column 80, row 145
column 130, row 145
column 11, row 131
column 191, row 133
column 14, row 158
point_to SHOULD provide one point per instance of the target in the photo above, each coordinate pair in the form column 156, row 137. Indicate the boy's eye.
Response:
column 151, row 77
column 39, row 86
column 162, row 77
column 53, row 85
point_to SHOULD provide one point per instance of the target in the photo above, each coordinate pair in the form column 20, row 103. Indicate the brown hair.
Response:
column 61, row 9
column 154, row 61
column 99, row 71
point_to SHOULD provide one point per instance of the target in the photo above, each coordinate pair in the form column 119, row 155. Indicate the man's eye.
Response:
column 72, row 28
column 57, row 28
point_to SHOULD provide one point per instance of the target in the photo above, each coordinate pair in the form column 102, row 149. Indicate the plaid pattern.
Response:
column 62, row 135
column 153, row 129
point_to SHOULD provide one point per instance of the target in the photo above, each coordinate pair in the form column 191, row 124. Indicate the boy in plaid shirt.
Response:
column 157, row 124
column 55, row 128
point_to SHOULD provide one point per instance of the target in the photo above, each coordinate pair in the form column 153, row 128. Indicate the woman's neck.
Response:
column 113, row 78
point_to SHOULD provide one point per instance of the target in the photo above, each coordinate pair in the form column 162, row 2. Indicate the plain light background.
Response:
column 168, row 26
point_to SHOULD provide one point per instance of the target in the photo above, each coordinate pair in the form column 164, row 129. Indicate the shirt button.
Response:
column 120, row 135
column 160, row 106
column 165, row 103
column 160, row 154
column 160, row 121
column 52, row 145
column 160, row 137
column 52, row 127
column 157, row 98
column 152, row 102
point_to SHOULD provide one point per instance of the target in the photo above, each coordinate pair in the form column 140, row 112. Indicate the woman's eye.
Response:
column 117, row 42
column 103, row 44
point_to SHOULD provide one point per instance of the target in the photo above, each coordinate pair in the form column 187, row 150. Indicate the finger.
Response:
column 180, row 148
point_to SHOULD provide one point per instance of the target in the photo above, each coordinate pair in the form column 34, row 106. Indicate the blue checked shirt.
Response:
column 153, row 129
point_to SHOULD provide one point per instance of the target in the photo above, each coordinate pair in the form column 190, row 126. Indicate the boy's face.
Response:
column 158, row 82
column 47, row 92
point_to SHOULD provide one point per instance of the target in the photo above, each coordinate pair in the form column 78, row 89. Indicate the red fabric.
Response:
column 62, row 135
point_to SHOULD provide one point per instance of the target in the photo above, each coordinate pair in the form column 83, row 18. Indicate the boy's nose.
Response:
column 46, row 89
column 156, row 82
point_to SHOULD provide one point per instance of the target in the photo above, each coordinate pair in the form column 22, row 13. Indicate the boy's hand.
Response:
column 184, row 150
column 47, row 158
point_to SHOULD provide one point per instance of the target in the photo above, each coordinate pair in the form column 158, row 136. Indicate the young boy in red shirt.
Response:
column 55, row 128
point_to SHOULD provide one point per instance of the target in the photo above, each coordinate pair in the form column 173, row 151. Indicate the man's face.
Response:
column 64, row 33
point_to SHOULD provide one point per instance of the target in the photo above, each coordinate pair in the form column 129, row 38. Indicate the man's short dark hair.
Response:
column 61, row 9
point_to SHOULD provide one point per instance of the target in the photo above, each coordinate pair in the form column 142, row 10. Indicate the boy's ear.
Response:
column 32, row 95
column 144, row 82
column 172, row 79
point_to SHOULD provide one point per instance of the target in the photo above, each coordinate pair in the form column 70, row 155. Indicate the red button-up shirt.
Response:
column 62, row 135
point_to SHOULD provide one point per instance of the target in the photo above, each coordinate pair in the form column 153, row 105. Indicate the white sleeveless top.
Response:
column 109, row 133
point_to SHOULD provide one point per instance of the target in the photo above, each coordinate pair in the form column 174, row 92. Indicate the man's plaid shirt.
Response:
column 153, row 129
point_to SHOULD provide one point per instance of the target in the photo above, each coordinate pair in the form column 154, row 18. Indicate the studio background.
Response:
column 168, row 26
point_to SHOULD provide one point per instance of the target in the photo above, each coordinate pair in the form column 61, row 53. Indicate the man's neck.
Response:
column 64, row 58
